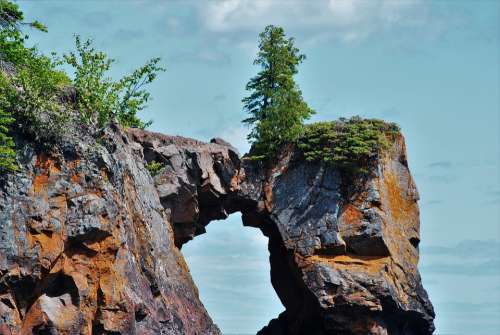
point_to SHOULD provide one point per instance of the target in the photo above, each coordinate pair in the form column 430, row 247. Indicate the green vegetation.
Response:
column 101, row 99
column 154, row 167
column 275, row 104
column 29, row 93
column 7, row 153
column 347, row 143
column 11, row 17
column 278, row 111
column 31, row 87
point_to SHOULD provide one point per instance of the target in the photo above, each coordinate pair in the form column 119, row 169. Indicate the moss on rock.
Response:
column 347, row 143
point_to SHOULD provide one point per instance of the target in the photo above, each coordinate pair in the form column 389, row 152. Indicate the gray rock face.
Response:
column 90, row 241
column 195, row 183
column 86, row 246
column 351, row 243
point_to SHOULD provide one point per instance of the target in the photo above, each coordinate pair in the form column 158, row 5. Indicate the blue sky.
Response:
column 433, row 67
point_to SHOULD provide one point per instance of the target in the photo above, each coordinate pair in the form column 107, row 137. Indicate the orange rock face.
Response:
column 90, row 241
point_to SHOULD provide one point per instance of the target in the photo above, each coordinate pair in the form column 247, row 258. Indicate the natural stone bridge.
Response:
column 90, row 242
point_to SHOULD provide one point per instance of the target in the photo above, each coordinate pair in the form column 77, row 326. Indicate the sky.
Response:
column 430, row 66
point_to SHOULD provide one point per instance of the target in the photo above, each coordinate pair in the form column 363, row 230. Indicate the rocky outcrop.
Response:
column 343, row 248
column 90, row 241
column 86, row 246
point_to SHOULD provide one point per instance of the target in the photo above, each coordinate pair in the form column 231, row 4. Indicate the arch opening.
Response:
column 231, row 268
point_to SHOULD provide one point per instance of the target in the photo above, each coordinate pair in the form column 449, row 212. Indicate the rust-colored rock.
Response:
column 87, row 248
column 90, row 241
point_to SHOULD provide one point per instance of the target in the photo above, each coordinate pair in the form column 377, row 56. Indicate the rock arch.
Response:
column 91, row 218
column 342, row 252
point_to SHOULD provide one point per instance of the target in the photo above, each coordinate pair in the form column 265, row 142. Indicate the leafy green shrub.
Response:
column 31, row 87
column 11, row 17
column 7, row 152
column 346, row 143
column 30, row 93
column 154, row 167
column 99, row 98
column 12, row 39
column 9, row 13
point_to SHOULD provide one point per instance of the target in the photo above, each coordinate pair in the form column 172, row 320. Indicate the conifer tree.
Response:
column 275, row 104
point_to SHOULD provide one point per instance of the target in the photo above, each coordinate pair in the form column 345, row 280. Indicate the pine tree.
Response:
column 275, row 104
column 7, row 152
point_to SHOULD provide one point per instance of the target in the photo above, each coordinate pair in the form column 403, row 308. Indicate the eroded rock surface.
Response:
column 344, row 251
column 86, row 246
column 89, row 240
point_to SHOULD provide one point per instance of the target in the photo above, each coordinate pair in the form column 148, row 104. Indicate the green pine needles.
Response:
column 348, row 144
column 275, row 104
column 278, row 111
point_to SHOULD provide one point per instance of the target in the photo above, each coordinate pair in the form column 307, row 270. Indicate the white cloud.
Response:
column 346, row 20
